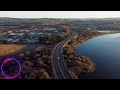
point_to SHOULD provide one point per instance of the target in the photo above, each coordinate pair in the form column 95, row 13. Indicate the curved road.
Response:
column 59, row 67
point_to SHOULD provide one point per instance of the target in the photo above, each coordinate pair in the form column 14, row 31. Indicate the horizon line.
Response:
column 61, row 17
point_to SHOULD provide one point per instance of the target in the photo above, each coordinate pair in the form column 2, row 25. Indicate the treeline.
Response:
column 76, row 64
column 52, row 39
column 3, row 41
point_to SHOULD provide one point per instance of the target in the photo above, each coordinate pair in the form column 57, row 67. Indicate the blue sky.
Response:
column 60, row 14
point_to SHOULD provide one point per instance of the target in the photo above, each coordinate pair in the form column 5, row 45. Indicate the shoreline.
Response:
column 93, row 38
column 84, row 63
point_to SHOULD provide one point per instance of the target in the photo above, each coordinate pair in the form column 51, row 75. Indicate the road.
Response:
column 60, row 69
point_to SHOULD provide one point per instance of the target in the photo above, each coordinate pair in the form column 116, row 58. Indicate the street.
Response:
column 60, row 69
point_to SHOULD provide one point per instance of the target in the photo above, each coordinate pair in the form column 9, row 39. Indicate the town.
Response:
column 10, row 35
column 45, row 48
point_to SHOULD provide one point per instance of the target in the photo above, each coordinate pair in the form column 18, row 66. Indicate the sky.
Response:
column 60, row 14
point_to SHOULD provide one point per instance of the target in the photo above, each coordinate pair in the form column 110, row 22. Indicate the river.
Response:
column 104, row 51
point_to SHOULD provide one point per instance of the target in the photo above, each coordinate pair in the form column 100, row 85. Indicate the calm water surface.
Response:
column 105, row 53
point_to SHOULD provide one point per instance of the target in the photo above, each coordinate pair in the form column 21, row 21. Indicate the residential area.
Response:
column 28, row 36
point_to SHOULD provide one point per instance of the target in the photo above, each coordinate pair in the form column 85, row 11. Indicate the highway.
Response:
column 60, row 69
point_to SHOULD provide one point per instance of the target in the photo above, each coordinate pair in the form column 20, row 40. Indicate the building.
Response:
column 49, row 28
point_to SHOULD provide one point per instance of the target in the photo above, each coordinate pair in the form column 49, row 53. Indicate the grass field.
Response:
column 6, row 49
column 10, row 48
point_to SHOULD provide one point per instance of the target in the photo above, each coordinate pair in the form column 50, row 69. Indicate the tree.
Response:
column 77, row 70
column 40, row 63
column 25, row 69
column 28, row 63
column 44, row 74
column 79, row 64
column 69, row 50
column 3, row 41
column 73, row 41
column 28, row 53
column 89, row 67
column 21, row 56
column 70, row 56
column 70, row 63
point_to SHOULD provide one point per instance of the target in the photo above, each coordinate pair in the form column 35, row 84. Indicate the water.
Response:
column 105, row 53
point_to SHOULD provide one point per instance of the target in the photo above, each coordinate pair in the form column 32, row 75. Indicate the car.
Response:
column 58, row 58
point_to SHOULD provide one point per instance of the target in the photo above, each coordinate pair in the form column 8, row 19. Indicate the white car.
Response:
column 58, row 58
